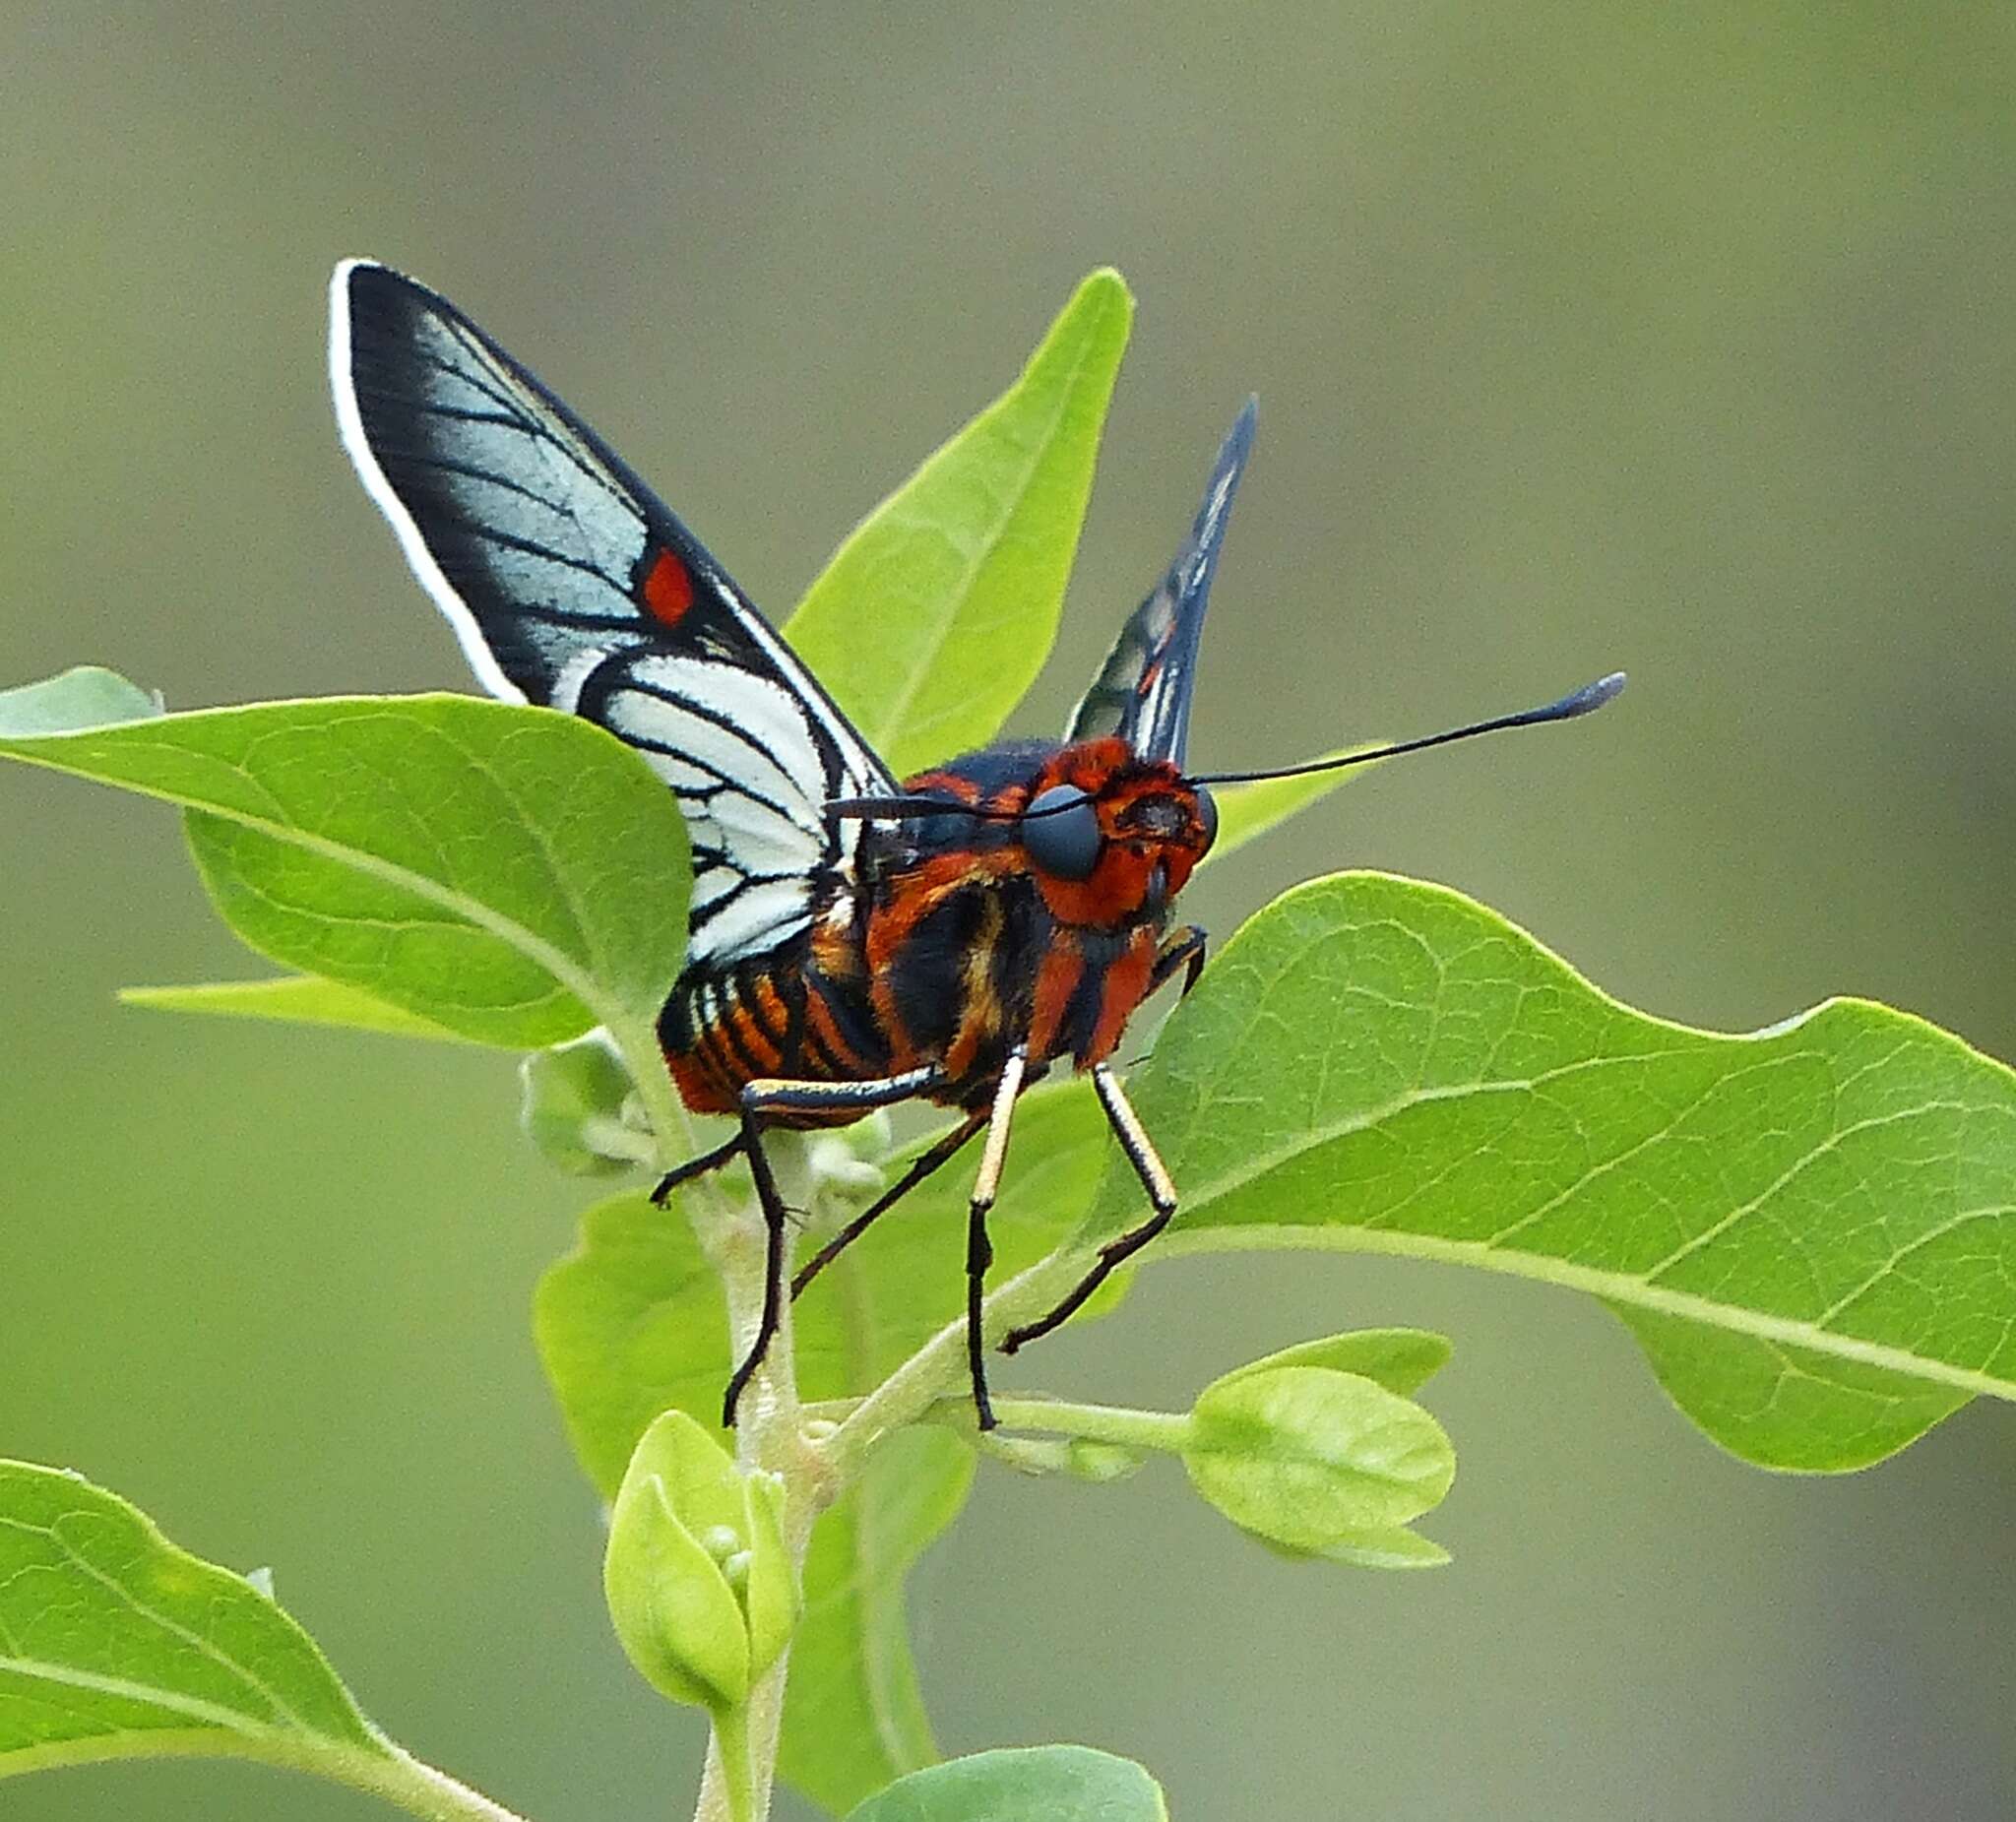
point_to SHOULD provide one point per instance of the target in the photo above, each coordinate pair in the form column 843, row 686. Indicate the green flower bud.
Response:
column 770, row 1594
column 721, row 1541
column 872, row 1137
column 1319, row 1462
column 699, row 1583
column 572, row 1108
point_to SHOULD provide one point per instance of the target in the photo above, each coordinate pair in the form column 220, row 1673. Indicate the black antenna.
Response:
column 1585, row 701
column 895, row 810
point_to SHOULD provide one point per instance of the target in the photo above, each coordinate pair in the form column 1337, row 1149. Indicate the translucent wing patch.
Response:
column 1143, row 690
column 570, row 584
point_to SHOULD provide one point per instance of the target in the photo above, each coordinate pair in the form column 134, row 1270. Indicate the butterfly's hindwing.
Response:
column 569, row 584
column 1143, row 690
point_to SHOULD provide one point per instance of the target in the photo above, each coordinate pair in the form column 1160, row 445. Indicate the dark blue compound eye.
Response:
column 1060, row 830
column 1207, row 808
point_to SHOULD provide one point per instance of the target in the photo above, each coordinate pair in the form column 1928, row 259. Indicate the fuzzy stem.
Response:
column 741, row 1758
column 769, row 1435
column 729, row 1772
column 1166, row 1431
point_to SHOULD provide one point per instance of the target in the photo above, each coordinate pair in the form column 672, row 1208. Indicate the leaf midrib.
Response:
column 153, row 1695
column 577, row 979
column 1611, row 1286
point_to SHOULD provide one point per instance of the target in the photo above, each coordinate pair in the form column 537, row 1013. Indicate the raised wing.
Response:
column 570, row 584
column 1142, row 691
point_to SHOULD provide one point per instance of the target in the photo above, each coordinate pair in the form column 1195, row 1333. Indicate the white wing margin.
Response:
column 568, row 583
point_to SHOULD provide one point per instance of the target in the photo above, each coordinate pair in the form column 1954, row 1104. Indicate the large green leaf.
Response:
column 632, row 1323
column 115, row 1644
column 510, row 873
column 1812, row 1229
column 292, row 999
column 1058, row 1783
column 935, row 616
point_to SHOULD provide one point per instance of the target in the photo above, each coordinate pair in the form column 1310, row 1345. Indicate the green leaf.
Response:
column 1397, row 1548
column 1402, row 1360
column 1058, row 1783
column 938, row 611
column 632, row 1323
column 1375, row 1065
column 292, row 999
column 853, row 1715
column 1312, row 1459
column 85, row 696
column 510, row 873
column 115, row 1644
column 1787, row 1406
column 1246, row 812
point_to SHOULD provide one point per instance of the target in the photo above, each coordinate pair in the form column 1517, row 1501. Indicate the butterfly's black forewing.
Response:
column 570, row 584
column 1142, row 691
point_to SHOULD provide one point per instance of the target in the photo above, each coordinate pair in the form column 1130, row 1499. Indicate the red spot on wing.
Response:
column 668, row 589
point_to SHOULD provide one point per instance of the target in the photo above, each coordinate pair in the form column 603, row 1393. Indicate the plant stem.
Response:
column 381, row 1770
column 939, row 1364
column 769, row 1435
column 1115, row 1423
column 727, row 1765
column 742, row 1757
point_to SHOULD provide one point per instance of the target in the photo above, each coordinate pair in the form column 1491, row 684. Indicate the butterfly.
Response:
column 853, row 940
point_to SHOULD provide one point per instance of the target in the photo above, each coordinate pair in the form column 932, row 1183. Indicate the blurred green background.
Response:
column 1670, row 338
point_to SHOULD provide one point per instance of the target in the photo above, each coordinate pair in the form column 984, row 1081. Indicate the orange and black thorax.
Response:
column 961, row 937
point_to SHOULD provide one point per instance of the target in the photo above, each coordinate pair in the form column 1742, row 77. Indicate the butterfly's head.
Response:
column 1110, row 838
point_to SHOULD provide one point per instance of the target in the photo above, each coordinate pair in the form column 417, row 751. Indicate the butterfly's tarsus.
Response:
column 774, row 1219
column 698, row 1167
column 1184, row 949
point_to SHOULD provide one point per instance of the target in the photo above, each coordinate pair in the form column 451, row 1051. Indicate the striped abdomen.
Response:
column 961, row 961
column 789, row 1015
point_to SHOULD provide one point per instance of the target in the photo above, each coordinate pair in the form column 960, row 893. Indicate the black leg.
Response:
column 980, row 1251
column 921, row 1167
column 768, row 1098
column 1155, row 1179
column 774, row 1217
column 1185, row 950
column 698, row 1167
column 979, row 1254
